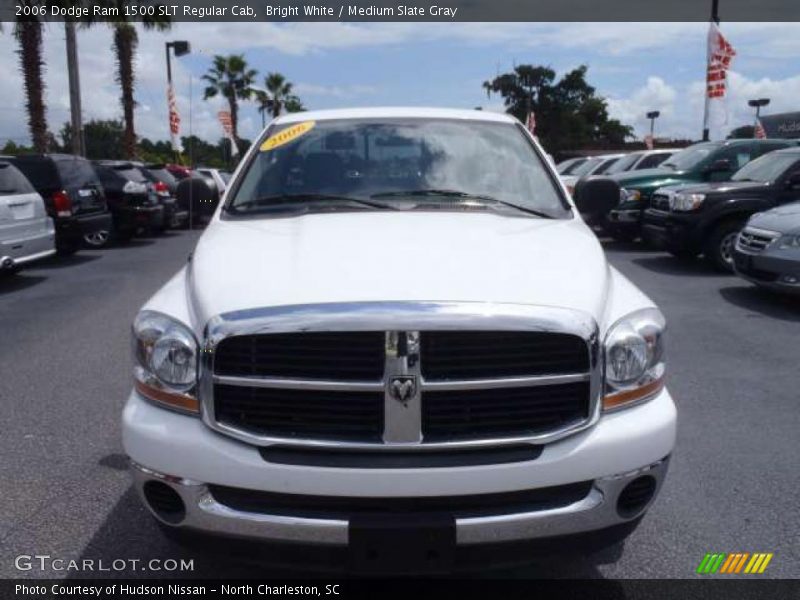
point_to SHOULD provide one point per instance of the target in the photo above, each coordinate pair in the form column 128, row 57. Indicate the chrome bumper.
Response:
column 594, row 512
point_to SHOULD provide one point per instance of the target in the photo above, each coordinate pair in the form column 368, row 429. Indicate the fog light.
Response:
column 790, row 279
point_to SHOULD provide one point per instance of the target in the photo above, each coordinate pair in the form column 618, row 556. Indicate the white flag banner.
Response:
column 720, row 56
column 174, row 120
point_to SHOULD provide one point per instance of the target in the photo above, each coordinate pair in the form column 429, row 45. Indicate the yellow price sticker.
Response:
column 287, row 135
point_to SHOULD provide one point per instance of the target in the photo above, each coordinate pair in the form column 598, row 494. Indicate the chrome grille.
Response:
column 753, row 241
column 525, row 373
column 660, row 200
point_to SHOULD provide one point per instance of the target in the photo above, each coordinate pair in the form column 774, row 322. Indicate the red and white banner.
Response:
column 720, row 56
column 174, row 120
column 648, row 141
column 227, row 127
column 759, row 133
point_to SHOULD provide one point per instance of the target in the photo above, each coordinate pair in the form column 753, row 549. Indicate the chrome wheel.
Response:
column 98, row 239
column 726, row 247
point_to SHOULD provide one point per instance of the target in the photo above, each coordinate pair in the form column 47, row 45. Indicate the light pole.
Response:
column 757, row 104
column 181, row 48
column 78, row 146
column 653, row 115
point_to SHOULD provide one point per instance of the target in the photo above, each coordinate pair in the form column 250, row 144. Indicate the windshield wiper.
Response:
column 464, row 195
column 300, row 201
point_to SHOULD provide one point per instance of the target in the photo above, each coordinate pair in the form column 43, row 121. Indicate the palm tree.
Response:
column 29, row 37
column 277, row 97
column 230, row 77
column 126, row 40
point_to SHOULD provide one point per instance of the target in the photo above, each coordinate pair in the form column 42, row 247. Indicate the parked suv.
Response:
column 26, row 232
column 692, row 219
column 132, row 199
column 72, row 193
column 706, row 162
column 398, row 337
column 166, row 185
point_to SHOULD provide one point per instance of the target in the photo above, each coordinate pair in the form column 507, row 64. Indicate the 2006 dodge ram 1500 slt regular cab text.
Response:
column 397, row 341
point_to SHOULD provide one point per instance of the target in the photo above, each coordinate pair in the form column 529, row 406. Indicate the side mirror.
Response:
column 595, row 196
column 197, row 194
column 720, row 165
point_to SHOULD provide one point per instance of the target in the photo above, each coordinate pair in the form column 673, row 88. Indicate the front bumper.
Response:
column 183, row 453
column 774, row 268
column 625, row 219
column 668, row 231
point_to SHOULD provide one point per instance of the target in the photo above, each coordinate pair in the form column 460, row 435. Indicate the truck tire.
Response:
column 718, row 248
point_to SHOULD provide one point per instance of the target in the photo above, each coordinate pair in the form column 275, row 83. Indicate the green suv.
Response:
column 699, row 163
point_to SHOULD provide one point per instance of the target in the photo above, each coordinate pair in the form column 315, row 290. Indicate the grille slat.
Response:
column 301, row 413
column 487, row 354
column 311, row 355
column 451, row 415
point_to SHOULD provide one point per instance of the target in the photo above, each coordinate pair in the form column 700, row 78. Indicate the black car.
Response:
column 706, row 218
column 73, row 196
column 131, row 197
column 166, row 186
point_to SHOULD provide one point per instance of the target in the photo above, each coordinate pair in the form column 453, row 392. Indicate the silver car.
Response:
column 26, row 232
column 767, row 250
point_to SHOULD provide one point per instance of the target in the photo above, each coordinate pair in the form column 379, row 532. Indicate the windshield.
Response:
column 587, row 167
column 766, row 168
column 623, row 164
column 569, row 166
column 397, row 163
column 691, row 157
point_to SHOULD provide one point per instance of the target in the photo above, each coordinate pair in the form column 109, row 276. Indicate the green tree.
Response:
column 104, row 139
column 745, row 131
column 277, row 97
column 230, row 77
column 569, row 115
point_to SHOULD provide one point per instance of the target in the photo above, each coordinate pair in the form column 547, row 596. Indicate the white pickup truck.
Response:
column 398, row 338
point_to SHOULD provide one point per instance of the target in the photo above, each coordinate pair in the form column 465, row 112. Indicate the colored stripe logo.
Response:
column 734, row 563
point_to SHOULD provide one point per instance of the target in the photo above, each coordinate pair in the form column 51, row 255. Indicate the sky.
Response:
column 637, row 67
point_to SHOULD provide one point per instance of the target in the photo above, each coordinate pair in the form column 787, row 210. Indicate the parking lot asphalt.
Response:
column 65, row 375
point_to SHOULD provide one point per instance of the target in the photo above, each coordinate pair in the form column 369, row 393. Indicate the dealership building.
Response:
column 784, row 125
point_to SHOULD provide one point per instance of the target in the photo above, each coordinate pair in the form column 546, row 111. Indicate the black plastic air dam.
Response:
column 165, row 502
column 636, row 496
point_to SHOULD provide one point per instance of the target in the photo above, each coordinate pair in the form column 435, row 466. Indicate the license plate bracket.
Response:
column 402, row 543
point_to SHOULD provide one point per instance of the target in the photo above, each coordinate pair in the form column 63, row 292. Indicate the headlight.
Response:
column 634, row 358
column 165, row 354
column 686, row 202
column 629, row 195
column 789, row 241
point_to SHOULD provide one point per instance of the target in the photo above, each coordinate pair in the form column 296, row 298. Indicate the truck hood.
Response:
column 651, row 178
column 390, row 256
column 734, row 188
column 784, row 219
